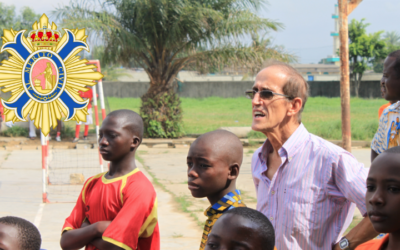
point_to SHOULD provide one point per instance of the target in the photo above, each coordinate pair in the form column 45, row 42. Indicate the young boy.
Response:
column 240, row 227
column 383, row 200
column 18, row 234
column 116, row 209
column 387, row 135
column 214, row 160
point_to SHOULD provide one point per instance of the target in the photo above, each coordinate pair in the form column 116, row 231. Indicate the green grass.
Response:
column 321, row 115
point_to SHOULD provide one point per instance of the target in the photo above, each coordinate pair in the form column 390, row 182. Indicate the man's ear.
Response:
column 295, row 106
column 233, row 171
column 135, row 142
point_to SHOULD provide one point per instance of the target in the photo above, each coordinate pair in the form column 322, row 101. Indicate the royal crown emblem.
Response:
column 44, row 75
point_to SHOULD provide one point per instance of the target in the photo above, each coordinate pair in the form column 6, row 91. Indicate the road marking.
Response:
column 39, row 214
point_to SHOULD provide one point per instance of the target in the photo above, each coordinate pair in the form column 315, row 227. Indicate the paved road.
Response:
column 21, row 195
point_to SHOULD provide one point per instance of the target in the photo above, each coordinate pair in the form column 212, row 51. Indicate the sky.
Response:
column 308, row 23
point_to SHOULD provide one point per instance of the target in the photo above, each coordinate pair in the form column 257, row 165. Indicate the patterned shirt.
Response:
column 228, row 202
column 387, row 135
column 310, row 199
column 128, row 201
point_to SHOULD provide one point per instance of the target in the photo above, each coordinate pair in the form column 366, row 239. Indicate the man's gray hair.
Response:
column 295, row 85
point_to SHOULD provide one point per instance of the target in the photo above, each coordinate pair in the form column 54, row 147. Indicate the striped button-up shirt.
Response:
column 311, row 198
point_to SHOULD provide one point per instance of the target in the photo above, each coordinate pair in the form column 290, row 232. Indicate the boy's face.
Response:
column 208, row 171
column 383, row 193
column 233, row 232
column 115, row 141
column 390, row 81
column 9, row 237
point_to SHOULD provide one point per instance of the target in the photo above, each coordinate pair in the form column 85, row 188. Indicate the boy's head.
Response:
column 390, row 82
column 213, row 163
column 120, row 134
column 383, row 191
column 242, row 228
column 18, row 234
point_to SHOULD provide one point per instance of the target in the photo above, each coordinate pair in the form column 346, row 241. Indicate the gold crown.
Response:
column 44, row 36
column 37, row 82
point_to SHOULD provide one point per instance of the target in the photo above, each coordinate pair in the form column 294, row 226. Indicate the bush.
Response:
column 15, row 131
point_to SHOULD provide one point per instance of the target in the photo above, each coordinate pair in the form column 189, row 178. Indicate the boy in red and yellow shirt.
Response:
column 116, row 209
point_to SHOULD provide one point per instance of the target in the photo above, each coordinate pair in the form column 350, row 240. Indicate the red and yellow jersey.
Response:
column 87, row 94
column 128, row 201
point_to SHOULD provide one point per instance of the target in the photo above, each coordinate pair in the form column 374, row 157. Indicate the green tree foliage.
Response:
column 9, row 19
column 364, row 49
column 392, row 40
column 162, row 36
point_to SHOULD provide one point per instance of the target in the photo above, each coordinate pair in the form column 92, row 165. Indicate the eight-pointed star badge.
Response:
column 44, row 75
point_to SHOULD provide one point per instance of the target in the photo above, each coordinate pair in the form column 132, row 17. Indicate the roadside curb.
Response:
column 152, row 143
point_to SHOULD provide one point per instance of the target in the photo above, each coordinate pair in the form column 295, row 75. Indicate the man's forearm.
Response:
column 104, row 245
column 362, row 232
column 78, row 238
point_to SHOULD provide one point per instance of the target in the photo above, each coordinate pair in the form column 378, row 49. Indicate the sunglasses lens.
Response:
column 265, row 94
column 250, row 94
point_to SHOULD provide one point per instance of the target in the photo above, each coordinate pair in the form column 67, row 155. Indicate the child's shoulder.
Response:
column 374, row 244
column 138, row 180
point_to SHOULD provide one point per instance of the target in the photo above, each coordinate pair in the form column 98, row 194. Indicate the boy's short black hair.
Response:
column 396, row 66
column 29, row 235
column 134, row 121
column 393, row 150
column 266, row 229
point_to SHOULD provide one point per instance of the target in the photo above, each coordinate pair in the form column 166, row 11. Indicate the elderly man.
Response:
column 305, row 185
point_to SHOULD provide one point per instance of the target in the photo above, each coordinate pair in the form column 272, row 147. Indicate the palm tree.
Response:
column 392, row 39
column 162, row 36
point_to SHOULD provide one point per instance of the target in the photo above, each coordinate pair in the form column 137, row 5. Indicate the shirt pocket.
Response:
column 299, row 209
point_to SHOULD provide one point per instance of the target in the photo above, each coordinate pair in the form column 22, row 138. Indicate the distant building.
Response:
column 317, row 69
column 334, row 58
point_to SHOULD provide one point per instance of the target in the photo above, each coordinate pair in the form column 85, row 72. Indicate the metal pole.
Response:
column 100, row 85
column 345, row 74
column 44, row 141
column 96, row 115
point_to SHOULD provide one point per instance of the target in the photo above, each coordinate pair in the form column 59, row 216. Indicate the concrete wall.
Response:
column 368, row 89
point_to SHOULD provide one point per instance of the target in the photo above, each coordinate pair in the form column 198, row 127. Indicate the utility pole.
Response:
column 345, row 8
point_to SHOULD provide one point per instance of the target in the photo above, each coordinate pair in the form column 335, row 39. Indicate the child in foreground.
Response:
column 116, row 209
column 242, row 228
column 383, row 200
column 214, row 160
column 18, row 234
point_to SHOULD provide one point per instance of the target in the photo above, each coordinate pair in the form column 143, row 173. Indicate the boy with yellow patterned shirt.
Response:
column 214, row 160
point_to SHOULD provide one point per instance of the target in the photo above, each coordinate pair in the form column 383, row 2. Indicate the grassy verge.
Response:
column 183, row 202
column 321, row 116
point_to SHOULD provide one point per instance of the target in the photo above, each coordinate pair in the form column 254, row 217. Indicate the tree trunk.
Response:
column 358, row 83
column 161, row 111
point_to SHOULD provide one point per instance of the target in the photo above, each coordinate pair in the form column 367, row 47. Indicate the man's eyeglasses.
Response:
column 264, row 94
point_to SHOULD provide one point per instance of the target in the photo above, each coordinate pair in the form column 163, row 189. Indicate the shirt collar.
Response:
column 224, row 203
column 291, row 146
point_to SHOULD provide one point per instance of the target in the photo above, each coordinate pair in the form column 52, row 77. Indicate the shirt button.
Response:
column 272, row 192
column 271, row 218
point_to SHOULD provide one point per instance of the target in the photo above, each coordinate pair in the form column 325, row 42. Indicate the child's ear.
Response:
column 233, row 171
column 135, row 142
